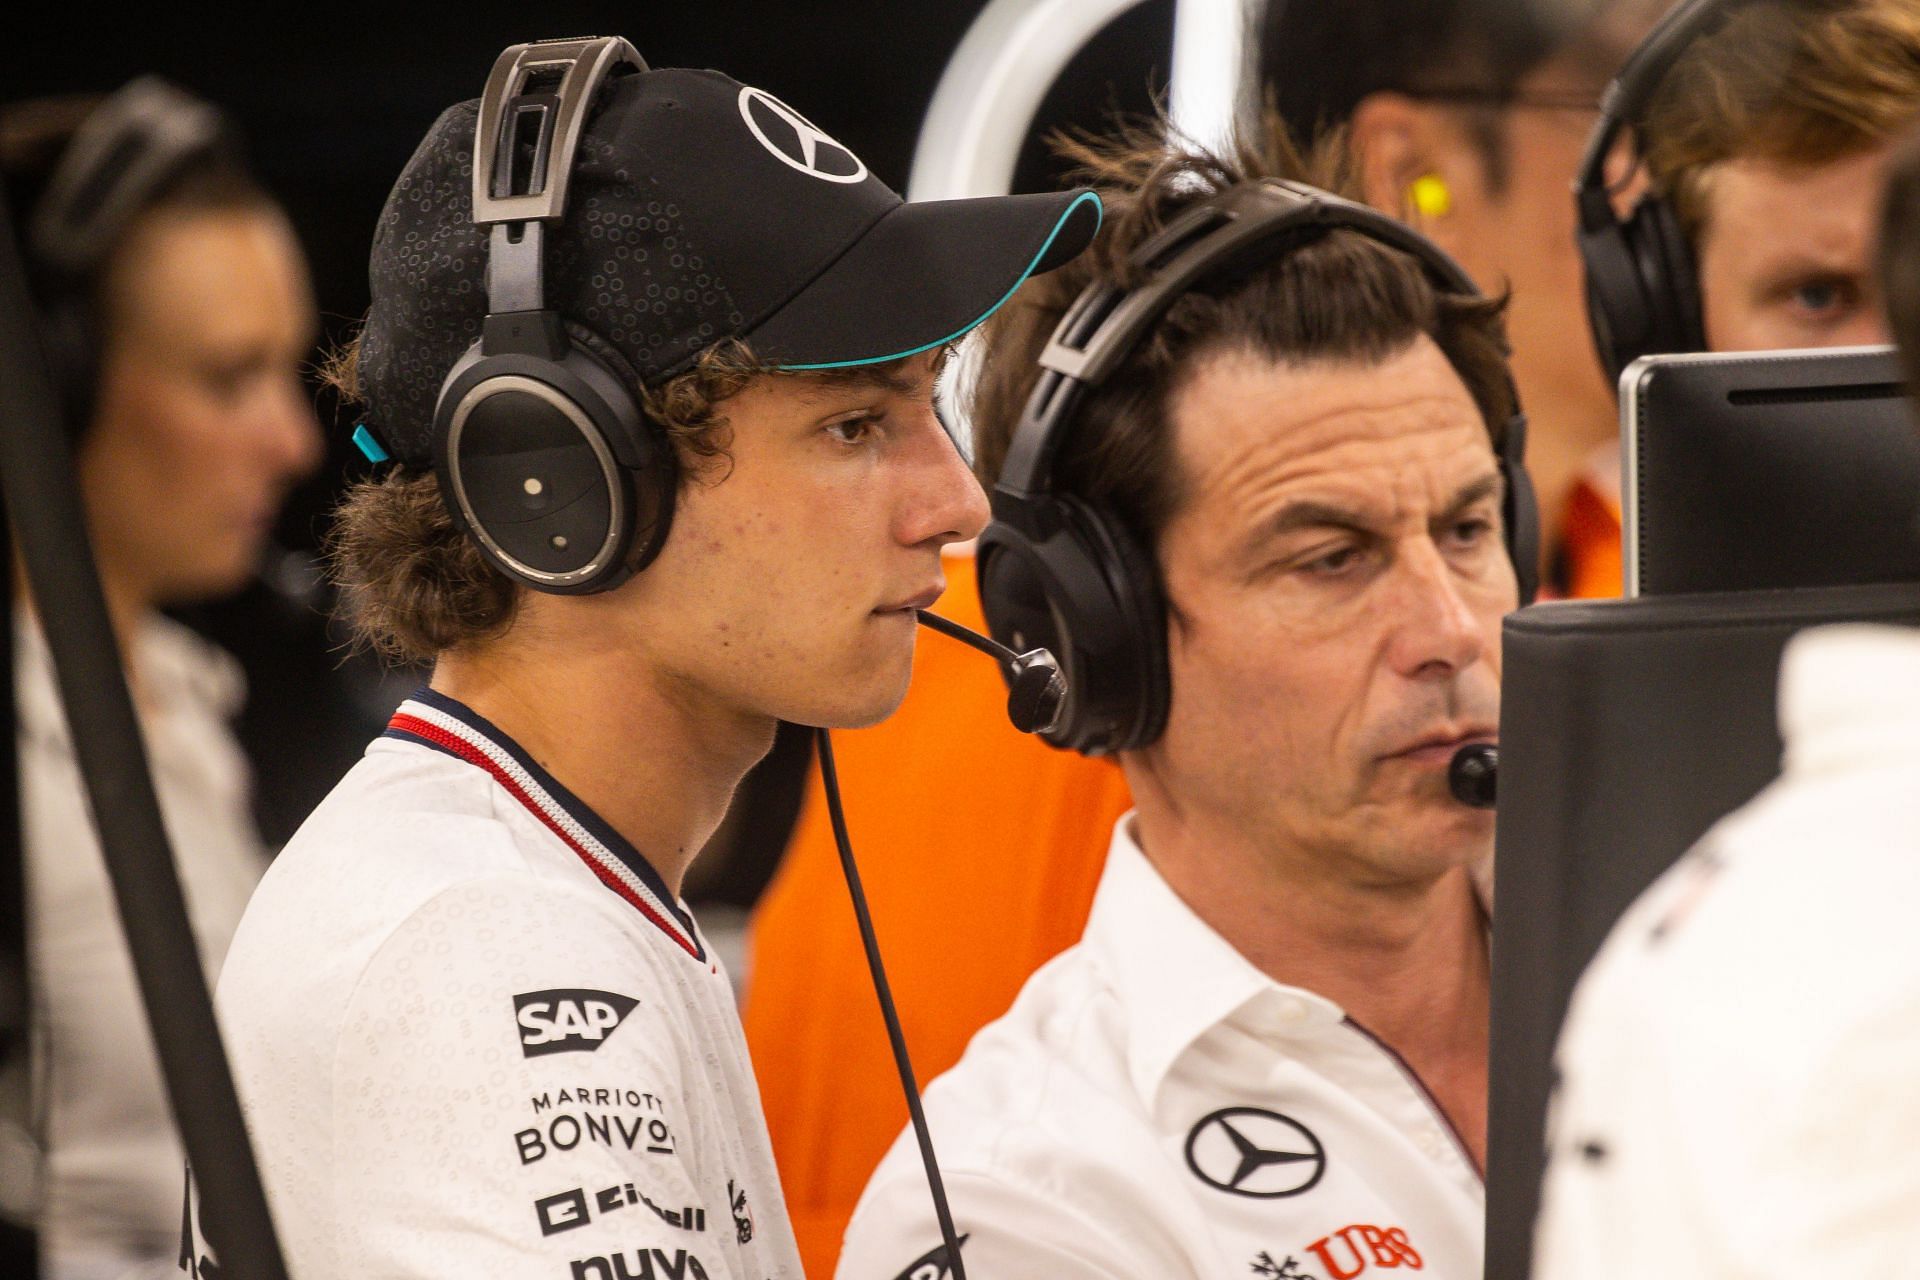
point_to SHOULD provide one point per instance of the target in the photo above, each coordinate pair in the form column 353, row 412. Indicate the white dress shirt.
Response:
column 1740, row 1070
column 1153, row 1106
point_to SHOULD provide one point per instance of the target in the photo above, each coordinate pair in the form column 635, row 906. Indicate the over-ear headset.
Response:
column 123, row 156
column 1643, row 287
column 1060, row 573
column 542, row 452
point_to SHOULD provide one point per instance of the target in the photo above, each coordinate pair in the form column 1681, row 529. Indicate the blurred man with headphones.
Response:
column 175, row 302
column 1258, row 485
column 1763, row 128
column 1736, row 1073
column 636, row 335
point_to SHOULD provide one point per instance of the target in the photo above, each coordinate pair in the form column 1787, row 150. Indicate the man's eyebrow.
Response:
column 1310, row 514
column 1471, row 494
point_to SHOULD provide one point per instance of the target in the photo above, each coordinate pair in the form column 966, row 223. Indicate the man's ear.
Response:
column 1393, row 139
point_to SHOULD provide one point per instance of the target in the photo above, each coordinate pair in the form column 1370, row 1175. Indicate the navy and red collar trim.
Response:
column 434, row 720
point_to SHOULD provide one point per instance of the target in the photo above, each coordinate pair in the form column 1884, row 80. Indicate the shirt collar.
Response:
column 1175, row 977
column 1850, row 696
column 432, row 719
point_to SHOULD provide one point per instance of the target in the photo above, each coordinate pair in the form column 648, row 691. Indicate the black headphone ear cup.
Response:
column 1672, row 277
column 1139, row 618
column 1521, row 510
column 1086, row 593
column 1617, row 302
column 656, row 481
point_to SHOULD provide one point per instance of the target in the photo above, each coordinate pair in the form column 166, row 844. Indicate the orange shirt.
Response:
column 979, row 848
column 1592, row 544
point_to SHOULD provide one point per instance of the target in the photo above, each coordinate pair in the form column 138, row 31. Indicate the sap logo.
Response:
column 1351, row 1250
column 568, row 1020
column 648, row 1264
column 931, row 1265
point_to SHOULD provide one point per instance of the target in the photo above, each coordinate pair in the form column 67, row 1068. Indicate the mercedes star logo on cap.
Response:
column 1246, row 1151
column 797, row 141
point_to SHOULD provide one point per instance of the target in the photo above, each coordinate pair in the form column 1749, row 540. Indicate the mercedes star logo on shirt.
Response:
column 1247, row 1151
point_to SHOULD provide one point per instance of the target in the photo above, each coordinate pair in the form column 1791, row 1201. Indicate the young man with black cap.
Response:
column 474, row 1028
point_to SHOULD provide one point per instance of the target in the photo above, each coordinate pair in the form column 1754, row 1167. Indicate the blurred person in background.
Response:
column 1769, row 1133
column 1763, row 145
column 178, row 314
column 1467, row 119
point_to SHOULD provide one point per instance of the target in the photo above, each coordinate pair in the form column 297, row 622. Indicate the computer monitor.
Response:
column 1762, row 470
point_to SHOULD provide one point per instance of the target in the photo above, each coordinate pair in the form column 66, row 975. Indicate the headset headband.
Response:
column 1626, row 96
column 536, row 98
column 1105, row 324
column 126, row 149
column 1064, row 574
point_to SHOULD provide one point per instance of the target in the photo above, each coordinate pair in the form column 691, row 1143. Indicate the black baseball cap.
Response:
column 699, row 209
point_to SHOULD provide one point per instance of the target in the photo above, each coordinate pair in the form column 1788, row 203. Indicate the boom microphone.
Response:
column 1035, row 688
column 1473, row 775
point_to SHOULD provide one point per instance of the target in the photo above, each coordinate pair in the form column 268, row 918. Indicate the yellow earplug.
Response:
column 1432, row 198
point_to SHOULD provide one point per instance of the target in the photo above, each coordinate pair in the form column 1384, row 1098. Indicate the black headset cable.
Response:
column 887, row 1011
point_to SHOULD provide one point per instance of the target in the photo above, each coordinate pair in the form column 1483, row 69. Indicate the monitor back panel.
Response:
column 1759, row 471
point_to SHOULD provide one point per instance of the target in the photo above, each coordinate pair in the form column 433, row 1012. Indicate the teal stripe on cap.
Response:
column 1098, row 214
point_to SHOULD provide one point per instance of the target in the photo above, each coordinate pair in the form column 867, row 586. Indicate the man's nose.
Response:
column 1437, row 634
column 945, row 502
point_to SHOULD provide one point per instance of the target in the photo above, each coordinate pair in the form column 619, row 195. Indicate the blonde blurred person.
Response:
column 177, row 314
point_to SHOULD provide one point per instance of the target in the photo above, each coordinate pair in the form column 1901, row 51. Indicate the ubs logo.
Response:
column 568, row 1020
column 1247, row 1151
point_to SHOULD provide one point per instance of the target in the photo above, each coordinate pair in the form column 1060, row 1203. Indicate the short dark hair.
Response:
column 1316, row 62
column 1900, row 255
column 1345, row 295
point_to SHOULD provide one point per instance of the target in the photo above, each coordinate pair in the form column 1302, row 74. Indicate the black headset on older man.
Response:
column 1060, row 573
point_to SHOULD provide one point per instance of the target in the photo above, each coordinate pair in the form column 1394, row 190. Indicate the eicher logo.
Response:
column 568, row 1020
column 1353, row 1250
column 796, row 141
column 646, row 1264
column 1246, row 1151
column 931, row 1265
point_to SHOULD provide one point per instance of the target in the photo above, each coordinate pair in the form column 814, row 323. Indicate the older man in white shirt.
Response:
column 1268, row 1053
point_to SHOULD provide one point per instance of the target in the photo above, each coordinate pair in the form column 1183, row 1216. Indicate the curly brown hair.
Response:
column 1344, row 295
column 412, row 586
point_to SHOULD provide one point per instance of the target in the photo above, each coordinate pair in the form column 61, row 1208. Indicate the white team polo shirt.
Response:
column 1153, row 1106
column 1740, row 1070
column 474, row 1035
